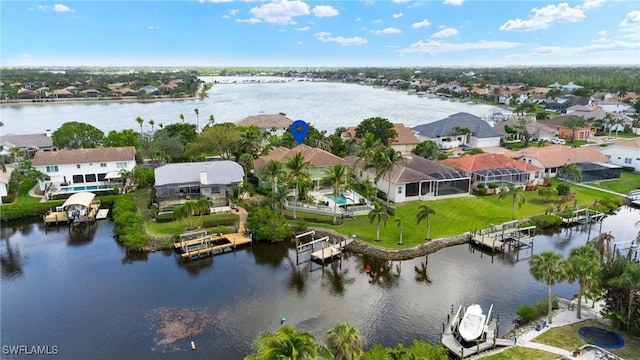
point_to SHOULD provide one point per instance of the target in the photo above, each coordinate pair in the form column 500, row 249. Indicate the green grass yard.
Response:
column 628, row 181
column 521, row 353
column 454, row 217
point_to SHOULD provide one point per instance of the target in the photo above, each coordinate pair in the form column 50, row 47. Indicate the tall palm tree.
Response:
column 197, row 111
column 140, row 121
column 336, row 177
column 250, row 142
column 370, row 188
column 278, row 197
column 246, row 161
column 424, row 213
column 383, row 161
column 298, row 170
column 15, row 151
column 584, row 267
column 272, row 170
column 379, row 214
column 399, row 225
column 181, row 117
column 211, row 120
column 548, row 267
column 629, row 279
column 152, row 123
column 367, row 148
column 286, row 343
column 517, row 197
column 344, row 342
column 570, row 170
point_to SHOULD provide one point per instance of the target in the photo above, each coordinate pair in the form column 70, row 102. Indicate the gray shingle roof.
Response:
column 223, row 172
column 479, row 128
column 27, row 140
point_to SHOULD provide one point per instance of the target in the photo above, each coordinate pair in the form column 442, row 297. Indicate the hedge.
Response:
column 127, row 224
column 220, row 220
column 16, row 211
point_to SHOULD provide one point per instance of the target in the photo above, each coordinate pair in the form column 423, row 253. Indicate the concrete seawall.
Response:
column 393, row 254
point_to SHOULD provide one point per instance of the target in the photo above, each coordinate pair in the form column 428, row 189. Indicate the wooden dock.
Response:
column 583, row 216
column 330, row 251
column 197, row 244
column 488, row 340
column 102, row 214
column 59, row 216
column 506, row 235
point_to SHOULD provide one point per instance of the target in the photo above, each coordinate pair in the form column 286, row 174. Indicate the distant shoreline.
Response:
column 30, row 102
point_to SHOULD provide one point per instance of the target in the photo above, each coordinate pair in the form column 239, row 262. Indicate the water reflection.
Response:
column 82, row 234
column 271, row 254
column 421, row 272
column 298, row 276
column 383, row 273
column 337, row 278
column 11, row 260
column 195, row 267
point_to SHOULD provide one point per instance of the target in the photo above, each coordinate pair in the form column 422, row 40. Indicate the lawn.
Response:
column 628, row 181
column 520, row 353
column 453, row 217
column 23, row 193
column 566, row 337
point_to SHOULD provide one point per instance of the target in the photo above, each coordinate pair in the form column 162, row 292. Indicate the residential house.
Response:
column 583, row 132
column 539, row 130
column 26, row 94
column 60, row 94
column 177, row 183
column 83, row 169
column 624, row 153
column 149, row 90
column 446, row 132
column 565, row 88
column 416, row 179
column 319, row 160
column 91, row 93
column 496, row 168
column 272, row 124
column 28, row 144
column 404, row 141
column 612, row 106
column 553, row 157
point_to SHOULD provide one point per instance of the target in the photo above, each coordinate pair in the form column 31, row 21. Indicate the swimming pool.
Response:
column 83, row 188
column 341, row 199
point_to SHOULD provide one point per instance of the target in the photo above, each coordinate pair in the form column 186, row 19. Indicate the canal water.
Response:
column 81, row 292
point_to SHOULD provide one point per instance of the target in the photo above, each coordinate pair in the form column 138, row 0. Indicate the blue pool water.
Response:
column 83, row 188
column 341, row 199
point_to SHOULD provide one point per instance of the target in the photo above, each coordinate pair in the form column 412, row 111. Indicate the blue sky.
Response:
column 221, row 33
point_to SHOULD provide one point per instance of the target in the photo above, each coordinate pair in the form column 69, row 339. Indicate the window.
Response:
column 399, row 189
column 608, row 157
column 78, row 166
column 90, row 178
column 627, row 160
column 103, row 164
column 102, row 176
column 78, row 179
column 121, row 165
column 53, row 168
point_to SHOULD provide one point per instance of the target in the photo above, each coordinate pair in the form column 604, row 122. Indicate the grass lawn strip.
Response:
column 521, row 353
column 566, row 337
column 628, row 181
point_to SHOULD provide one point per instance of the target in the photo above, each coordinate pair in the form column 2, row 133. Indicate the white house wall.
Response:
column 484, row 142
column 618, row 154
column 66, row 172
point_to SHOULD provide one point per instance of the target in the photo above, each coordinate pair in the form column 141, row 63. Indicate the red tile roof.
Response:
column 559, row 155
column 316, row 157
column 479, row 162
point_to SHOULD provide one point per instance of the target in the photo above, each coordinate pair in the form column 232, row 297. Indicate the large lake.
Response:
column 326, row 105
column 82, row 292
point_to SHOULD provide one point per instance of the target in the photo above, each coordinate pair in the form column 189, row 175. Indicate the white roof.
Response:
column 81, row 198
column 223, row 172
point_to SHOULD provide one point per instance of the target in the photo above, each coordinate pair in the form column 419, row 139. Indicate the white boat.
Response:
column 472, row 323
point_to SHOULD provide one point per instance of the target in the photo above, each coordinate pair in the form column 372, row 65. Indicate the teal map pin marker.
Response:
column 299, row 129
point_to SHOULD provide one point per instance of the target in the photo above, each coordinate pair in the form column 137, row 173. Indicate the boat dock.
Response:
column 583, row 216
column 451, row 338
column 196, row 244
column 506, row 235
column 59, row 216
column 329, row 249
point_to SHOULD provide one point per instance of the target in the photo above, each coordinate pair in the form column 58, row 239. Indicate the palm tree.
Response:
column 367, row 147
column 286, row 343
column 370, row 188
column 548, row 267
column 399, row 225
column 212, row 120
column 570, row 170
column 336, row 178
column 125, row 175
column 278, row 197
column 384, row 160
column 197, row 111
column 161, row 125
column 344, row 342
column 630, row 279
column 379, row 214
column 298, row 170
column 181, row 117
column 15, row 151
column 573, row 122
column 140, row 121
column 584, row 267
column 617, row 122
column 152, row 123
column 424, row 213
column 272, row 170
column 250, row 142
column 517, row 197
column 427, row 149
column 246, row 161
column 202, row 207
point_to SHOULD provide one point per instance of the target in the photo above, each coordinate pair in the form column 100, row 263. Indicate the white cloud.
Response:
column 397, row 16
column 358, row 19
column 325, row 11
column 248, row 21
column 592, row 4
column 215, row 1
column 377, row 21
column 631, row 25
column 280, row 12
column 602, row 33
column 600, row 40
column 453, row 2
column 432, row 47
column 420, row 24
column 445, row 33
column 399, row 1
column 56, row 8
column 306, row 28
column 543, row 17
column 153, row 27
column 324, row 36
column 389, row 30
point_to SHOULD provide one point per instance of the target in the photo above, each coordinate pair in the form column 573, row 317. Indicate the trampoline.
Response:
column 601, row 337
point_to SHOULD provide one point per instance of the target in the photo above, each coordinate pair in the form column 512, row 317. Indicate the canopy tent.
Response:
column 81, row 198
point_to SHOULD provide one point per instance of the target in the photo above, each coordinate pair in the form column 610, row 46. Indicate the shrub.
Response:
column 127, row 224
column 219, row 220
column 493, row 185
column 164, row 217
column 542, row 304
column 267, row 224
column 546, row 221
column 526, row 314
column 563, row 189
column 15, row 211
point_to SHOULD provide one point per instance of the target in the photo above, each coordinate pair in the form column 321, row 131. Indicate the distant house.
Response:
column 318, row 159
column 443, row 132
column 537, row 130
column 581, row 133
column 496, row 168
column 26, row 94
column 60, row 94
column 612, row 106
column 417, row 179
column 127, row 92
column 566, row 88
column 553, row 157
column 624, row 153
column 91, row 93
column 178, row 182
column 272, row 124
column 149, row 90
column 28, row 144
column 83, row 169
column 404, row 142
